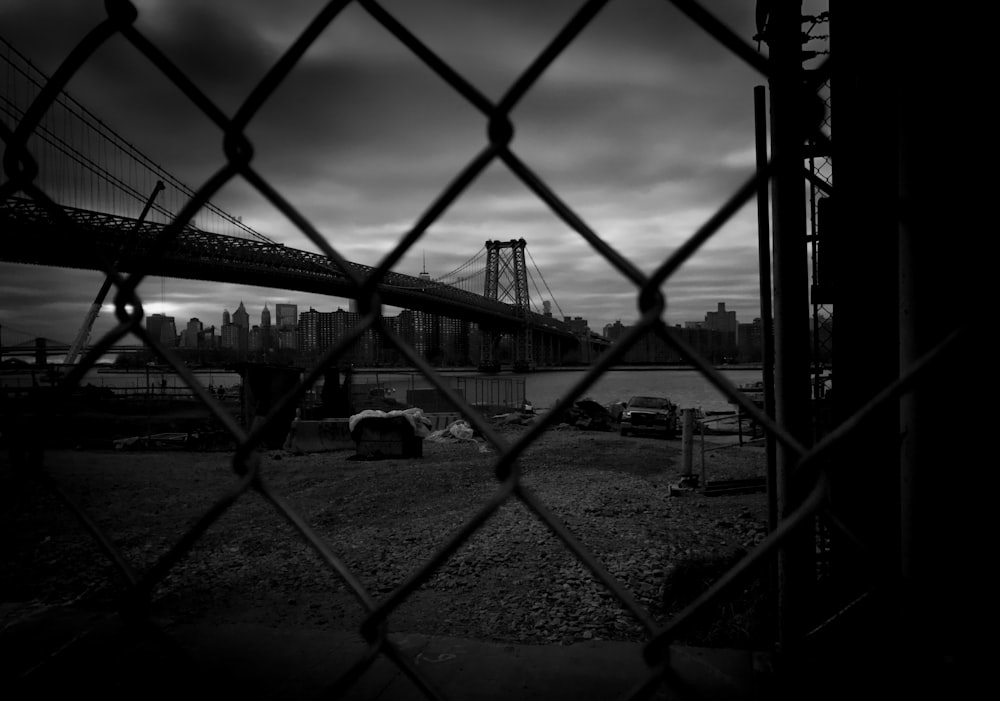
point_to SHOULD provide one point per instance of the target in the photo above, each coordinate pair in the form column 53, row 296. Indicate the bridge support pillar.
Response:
column 507, row 282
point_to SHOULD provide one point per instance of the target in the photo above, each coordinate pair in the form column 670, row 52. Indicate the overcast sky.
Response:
column 643, row 127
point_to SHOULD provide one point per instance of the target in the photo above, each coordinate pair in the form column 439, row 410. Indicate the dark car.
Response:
column 648, row 414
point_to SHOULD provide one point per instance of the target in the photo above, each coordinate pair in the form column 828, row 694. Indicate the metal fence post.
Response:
column 767, row 321
column 687, row 441
column 791, row 310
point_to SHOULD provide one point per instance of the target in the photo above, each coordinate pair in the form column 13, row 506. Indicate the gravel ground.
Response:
column 512, row 580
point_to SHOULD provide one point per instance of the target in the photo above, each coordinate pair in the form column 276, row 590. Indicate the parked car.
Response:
column 649, row 414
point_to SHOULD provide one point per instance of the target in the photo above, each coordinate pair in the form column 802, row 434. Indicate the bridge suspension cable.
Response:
column 551, row 296
column 468, row 276
column 465, row 276
column 476, row 260
column 86, row 164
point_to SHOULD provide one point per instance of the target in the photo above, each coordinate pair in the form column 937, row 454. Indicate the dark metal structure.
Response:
column 35, row 236
column 506, row 282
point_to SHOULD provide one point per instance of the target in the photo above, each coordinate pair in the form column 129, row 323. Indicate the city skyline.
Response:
column 643, row 127
column 226, row 317
column 720, row 337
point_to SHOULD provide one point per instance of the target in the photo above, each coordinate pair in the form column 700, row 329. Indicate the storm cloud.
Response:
column 643, row 127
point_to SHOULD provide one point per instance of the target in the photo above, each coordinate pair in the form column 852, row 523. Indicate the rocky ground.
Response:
column 510, row 580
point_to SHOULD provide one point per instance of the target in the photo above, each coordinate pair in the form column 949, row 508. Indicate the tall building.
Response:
column 229, row 336
column 267, row 335
column 750, row 339
column 227, row 332
column 721, row 320
column 318, row 331
column 308, row 331
column 206, row 338
column 455, row 346
column 192, row 334
column 725, row 325
column 241, row 317
column 153, row 324
column 613, row 331
column 162, row 328
column 422, row 333
column 287, row 320
column 286, row 315
column 241, row 320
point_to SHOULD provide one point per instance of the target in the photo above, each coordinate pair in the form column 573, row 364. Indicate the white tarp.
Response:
column 421, row 424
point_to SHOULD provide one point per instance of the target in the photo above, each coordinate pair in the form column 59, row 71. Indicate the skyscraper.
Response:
column 227, row 332
column 162, row 328
column 241, row 317
column 241, row 320
column 192, row 333
column 287, row 317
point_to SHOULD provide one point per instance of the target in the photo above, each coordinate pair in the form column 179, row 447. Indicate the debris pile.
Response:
column 588, row 415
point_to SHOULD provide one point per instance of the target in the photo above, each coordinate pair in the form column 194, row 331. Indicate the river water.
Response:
column 543, row 389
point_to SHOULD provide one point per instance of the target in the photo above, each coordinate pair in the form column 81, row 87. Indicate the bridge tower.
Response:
column 507, row 282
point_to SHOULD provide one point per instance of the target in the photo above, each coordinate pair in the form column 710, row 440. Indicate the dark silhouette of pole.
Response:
column 764, row 257
column 95, row 308
column 791, row 306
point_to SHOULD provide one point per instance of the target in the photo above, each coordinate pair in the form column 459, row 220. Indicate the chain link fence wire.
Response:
column 810, row 472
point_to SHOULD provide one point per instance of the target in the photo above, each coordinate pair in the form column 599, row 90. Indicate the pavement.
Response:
column 59, row 651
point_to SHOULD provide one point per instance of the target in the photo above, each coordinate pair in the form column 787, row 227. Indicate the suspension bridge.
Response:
column 93, row 197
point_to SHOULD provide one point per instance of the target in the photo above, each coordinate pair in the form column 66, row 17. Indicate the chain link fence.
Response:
column 808, row 460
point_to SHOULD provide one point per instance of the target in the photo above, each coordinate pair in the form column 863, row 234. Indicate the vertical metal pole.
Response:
column 791, row 304
column 739, row 424
column 687, row 440
column 83, row 335
column 766, row 313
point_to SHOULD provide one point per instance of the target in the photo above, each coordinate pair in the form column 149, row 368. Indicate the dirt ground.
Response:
column 510, row 579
